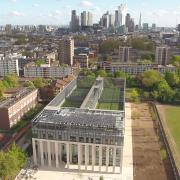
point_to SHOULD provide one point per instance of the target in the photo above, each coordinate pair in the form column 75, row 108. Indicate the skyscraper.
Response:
column 74, row 24
column 66, row 51
column 104, row 21
column 122, row 11
column 84, row 18
column 140, row 22
column 111, row 20
column 129, row 23
column 90, row 19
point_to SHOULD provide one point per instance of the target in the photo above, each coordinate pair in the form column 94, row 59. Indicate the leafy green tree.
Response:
column 176, row 62
column 109, row 45
column 134, row 95
column 29, row 84
column 12, row 162
column 172, row 79
column 142, row 44
column 11, row 80
column 102, row 73
column 165, row 93
column 40, row 82
column 39, row 62
column 151, row 78
column 2, row 88
column 120, row 74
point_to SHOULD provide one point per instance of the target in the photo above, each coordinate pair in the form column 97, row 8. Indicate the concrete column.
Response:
column 56, row 152
column 70, row 153
column 60, row 152
column 34, row 152
column 86, row 156
column 41, row 152
column 79, row 156
column 100, row 157
column 107, row 158
column 67, row 154
column 49, row 153
column 121, row 157
column 114, row 159
column 93, row 157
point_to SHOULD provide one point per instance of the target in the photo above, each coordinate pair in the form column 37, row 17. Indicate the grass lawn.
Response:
column 173, row 120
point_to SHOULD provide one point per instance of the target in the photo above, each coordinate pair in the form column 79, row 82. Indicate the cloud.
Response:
column 16, row 13
column 13, row 1
column 86, row 3
column 35, row 5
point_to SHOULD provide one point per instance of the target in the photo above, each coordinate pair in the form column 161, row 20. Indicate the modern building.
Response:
column 86, row 19
column 46, row 71
column 13, row 108
column 66, row 51
column 104, row 21
column 90, row 19
column 130, row 23
column 145, row 27
column 82, row 138
column 74, row 24
column 121, row 15
column 9, row 65
column 82, row 59
column 162, row 55
column 111, row 20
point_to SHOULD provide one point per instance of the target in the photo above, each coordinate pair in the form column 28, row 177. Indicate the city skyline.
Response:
column 58, row 12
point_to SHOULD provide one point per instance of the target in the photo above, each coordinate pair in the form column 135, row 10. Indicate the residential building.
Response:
column 9, row 65
column 46, row 71
column 66, row 51
column 82, row 59
column 162, row 55
column 135, row 68
column 124, row 54
column 13, row 108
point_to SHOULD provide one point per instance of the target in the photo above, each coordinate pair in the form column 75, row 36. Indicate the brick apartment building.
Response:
column 13, row 108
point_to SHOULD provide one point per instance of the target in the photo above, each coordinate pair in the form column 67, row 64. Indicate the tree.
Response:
column 176, row 62
column 134, row 95
column 2, row 88
column 11, row 162
column 165, row 93
column 39, row 62
column 40, row 82
column 29, row 84
column 151, row 78
column 11, row 80
column 27, row 53
column 172, row 78
column 102, row 73
column 120, row 74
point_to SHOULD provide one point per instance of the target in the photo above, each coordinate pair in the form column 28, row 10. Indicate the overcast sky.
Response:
column 57, row 12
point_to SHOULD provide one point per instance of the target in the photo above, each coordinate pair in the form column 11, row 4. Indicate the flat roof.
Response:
column 16, row 97
column 82, row 118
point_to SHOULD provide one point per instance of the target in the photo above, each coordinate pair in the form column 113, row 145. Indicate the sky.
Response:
column 58, row 12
